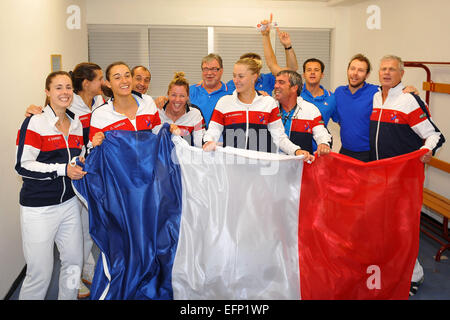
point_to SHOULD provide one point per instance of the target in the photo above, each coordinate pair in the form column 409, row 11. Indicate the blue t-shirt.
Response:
column 326, row 104
column 353, row 113
column 265, row 82
column 205, row 101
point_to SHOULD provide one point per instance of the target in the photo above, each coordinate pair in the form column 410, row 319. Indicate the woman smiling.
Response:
column 180, row 111
column 248, row 120
column 49, row 209
column 126, row 110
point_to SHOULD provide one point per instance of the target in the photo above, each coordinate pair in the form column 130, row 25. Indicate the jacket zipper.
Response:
column 378, row 130
column 68, row 153
column 246, row 130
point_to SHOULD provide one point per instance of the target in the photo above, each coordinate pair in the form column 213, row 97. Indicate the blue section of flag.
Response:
column 133, row 190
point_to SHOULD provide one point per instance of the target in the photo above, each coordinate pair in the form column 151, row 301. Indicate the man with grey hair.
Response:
column 302, row 120
column 401, row 123
column 206, row 93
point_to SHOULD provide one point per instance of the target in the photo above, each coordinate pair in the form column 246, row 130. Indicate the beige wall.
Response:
column 31, row 31
column 209, row 12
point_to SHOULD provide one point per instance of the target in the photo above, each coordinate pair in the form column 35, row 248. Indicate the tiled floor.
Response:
column 435, row 287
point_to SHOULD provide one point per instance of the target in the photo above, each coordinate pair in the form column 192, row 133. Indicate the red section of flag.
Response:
column 359, row 227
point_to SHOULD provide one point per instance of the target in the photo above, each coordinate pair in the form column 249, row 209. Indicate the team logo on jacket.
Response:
column 261, row 118
column 307, row 127
column 394, row 117
column 233, row 118
column 148, row 122
column 55, row 141
column 118, row 125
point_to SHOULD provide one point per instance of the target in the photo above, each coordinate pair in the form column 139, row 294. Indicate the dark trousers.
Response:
column 362, row 156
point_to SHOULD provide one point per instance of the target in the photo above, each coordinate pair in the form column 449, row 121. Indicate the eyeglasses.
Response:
column 214, row 70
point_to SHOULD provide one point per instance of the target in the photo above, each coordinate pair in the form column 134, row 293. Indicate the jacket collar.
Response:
column 51, row 117
column 322, row 97
column 224, row 86
column 398, row 89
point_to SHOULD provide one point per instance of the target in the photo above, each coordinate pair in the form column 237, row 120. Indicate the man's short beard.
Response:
column 357, row 85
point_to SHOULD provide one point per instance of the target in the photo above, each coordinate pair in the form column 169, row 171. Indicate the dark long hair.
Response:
column 83, row 71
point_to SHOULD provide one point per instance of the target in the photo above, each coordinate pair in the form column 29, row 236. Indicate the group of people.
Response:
column 375, row 123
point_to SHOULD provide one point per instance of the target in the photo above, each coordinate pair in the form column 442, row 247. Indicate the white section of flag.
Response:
column 239, row 225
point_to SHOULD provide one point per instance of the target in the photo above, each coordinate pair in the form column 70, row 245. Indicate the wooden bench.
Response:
column 440, row 205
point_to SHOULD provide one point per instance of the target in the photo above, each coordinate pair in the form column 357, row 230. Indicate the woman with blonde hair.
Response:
column 248, row 120
column 180, row 111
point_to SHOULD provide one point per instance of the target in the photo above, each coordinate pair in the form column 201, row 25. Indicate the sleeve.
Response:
column 419, row 119
column 320, row 133
column 156, row 120
column 216, row 125
column 94, row 127
column 334, row 113
column 29, row 146
column 157, row 123
column 199, row 131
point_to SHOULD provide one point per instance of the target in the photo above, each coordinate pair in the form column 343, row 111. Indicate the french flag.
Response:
column 174, row 222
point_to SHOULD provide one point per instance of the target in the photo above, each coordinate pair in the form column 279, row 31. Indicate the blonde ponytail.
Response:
column 179, row 80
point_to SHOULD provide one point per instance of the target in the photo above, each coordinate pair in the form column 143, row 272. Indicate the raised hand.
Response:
column 265, row 26
column 285, row 38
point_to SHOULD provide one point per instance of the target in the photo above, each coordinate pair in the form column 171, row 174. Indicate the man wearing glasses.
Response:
column 206, row 93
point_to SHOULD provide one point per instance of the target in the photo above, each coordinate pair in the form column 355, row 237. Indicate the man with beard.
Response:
column 354, row 107
column 354, row 103
column 206, row 93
